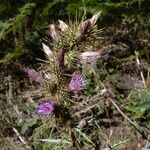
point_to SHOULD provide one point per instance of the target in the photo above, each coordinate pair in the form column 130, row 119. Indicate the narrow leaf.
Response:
column 55, row 141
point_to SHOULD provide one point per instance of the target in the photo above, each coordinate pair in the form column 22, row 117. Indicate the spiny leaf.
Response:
column 16, row 22
column 117, row 144
column 144, row 105
column 29, row 123
column 83, row 135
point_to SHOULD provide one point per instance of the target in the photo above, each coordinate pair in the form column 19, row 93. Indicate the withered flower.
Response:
column 55, row 33
column 86, row 25
column 60, row 59
column 62, row 25
column 90, row 57
column 46, row 50
column 94, row 19
column 36, row 76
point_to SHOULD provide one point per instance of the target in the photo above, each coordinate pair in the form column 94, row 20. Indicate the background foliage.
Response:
column 22, row 22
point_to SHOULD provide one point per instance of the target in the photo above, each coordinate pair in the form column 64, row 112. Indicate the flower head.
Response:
column 86, row 26
column 62, row 25
column 83, row 29
column 60, row 59
column 45, row 108
column 55, row 33
column 46, row 50
column 77, row 83
column 94, row 19
column 90, row 57
column 34, row 75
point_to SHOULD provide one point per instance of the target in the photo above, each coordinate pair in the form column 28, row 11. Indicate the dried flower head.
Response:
column 86, row 25
column 77, row 83
column 55, row 33
column 60, row 59
column 34, row 75
column 90, row 57
column 46, row 50
column 45, row 108
column 94, row 19
column 62, row 25
column 83, row 28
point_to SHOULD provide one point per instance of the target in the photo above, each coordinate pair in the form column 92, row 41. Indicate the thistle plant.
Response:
column 63, row 79
column 64, row 58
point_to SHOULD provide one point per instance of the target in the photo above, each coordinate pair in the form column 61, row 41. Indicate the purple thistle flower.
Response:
column 34, row 75
column 45, row 108
column 77, row 83
column 60, row 59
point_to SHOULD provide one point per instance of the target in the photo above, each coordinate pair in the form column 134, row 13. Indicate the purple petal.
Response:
column 45, row 108
column 77, row 83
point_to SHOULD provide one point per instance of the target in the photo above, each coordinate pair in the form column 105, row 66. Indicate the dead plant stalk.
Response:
column 138, row 63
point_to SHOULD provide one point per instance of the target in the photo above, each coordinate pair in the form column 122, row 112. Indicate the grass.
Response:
column 112, row 112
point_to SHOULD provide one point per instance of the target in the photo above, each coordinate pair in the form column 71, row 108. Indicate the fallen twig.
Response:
column 135, row 125
column 141, row 73
column 20, row 138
